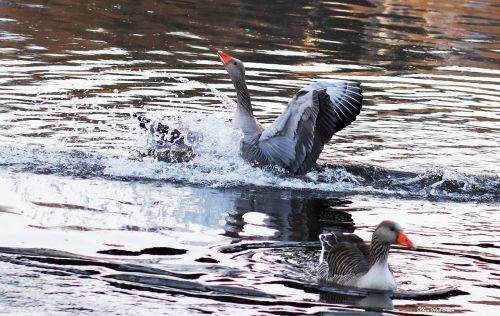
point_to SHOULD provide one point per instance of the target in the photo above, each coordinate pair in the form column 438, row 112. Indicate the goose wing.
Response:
column 297, row 137
column 342, row 255
column 346, row 259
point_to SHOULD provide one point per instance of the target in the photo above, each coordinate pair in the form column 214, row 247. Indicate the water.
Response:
column 92, row 228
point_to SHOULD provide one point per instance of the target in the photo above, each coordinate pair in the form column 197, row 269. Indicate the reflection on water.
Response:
column 73, row 73
column 424, row 151
column 373, row 301
column 268, row 215
column 173, row 232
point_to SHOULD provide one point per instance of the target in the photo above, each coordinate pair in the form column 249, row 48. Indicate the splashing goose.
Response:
column 297, row 137
column 346, row 260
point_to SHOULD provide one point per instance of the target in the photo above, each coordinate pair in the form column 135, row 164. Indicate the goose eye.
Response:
column 392, row 229
column 301, row 92
column 234, row 63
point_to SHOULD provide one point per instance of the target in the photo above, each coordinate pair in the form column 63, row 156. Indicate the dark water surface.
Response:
column 89, row 227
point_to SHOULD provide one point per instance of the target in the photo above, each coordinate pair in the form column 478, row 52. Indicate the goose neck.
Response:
column 243, row 96
column 379, row 252
column 244, row 118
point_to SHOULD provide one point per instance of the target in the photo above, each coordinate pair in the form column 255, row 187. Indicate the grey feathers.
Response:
column 343, row 258
column 297, row 137
column 346, row 260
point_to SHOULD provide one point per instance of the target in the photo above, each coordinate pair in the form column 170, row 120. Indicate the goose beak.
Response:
column 225, row 58
column 404, row 240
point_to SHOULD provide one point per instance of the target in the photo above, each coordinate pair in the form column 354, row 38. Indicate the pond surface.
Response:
column 90, row 227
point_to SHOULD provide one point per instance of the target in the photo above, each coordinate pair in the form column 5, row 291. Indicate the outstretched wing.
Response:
column 295, row 140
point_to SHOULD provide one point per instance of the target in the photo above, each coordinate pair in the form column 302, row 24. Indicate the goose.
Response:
column 346, row 260
column 296, row 138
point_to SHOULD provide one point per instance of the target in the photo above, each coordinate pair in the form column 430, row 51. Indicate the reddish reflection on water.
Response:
column 424, row 151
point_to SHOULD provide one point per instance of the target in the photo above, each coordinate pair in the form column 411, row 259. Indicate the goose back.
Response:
column 344, row 258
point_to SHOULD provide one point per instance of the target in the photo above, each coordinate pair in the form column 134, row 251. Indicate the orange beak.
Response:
column 404, row 240
column 225, row 58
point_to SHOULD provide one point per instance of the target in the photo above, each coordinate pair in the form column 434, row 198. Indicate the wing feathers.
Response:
column 343, row 255
column 297, row 137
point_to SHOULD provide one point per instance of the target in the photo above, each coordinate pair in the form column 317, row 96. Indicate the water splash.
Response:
column 225, row 100
column 218, row 164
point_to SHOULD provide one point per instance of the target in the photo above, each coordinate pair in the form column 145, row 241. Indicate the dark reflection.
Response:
column 394, row 34
column 286, row 216
column 376, row 301
column 372, row 302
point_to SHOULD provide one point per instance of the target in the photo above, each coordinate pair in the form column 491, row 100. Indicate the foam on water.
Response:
column 218, row 164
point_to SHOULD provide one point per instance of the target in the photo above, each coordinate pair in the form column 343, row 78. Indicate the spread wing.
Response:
column 297, row 137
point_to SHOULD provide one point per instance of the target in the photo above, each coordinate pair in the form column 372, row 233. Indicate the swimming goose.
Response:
column 297, row 137
column 346, row 260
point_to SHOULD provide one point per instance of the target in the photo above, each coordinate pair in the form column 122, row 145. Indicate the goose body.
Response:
column 297, row 137
column 378, row 277
column 346, row 260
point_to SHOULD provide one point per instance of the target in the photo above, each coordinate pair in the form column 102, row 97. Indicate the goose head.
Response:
column 389, row 232
column 234, row 67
